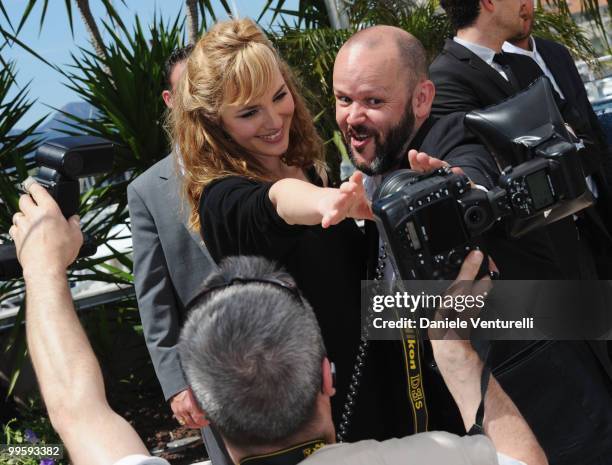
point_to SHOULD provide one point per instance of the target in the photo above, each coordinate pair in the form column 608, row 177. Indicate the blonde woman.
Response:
column 254, row 175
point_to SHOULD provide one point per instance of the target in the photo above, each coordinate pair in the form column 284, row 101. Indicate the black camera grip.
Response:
column 11, row 269
column 9, row 265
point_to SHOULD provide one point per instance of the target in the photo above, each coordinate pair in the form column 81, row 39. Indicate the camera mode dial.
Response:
column 520, row 198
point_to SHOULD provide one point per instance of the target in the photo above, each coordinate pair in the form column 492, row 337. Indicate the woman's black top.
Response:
column 238, row 218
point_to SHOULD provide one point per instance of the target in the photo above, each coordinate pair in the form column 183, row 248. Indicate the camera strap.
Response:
column 411, row 343
column 290, row 456
column 478, row 426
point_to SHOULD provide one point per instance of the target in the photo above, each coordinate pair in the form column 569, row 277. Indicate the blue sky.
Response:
column 55, row 42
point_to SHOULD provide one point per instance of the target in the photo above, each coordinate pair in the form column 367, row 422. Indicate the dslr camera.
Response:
column 62, row 162
column 430, row 222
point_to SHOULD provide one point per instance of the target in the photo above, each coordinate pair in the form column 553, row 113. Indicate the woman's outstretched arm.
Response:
column 299, row 202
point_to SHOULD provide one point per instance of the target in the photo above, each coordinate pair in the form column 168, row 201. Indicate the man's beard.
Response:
column 387, row 154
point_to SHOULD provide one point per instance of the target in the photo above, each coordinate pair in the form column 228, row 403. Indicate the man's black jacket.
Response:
column 561, row 65
column 538, row 376
column 464, row 82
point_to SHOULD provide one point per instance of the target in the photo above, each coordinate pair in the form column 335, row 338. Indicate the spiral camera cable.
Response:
column 411, row 343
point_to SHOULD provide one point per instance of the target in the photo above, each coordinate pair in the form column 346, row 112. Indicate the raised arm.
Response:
column 68, row 372
column 461, row 369
column 299, row 202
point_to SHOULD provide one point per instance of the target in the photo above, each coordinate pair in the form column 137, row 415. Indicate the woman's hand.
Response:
column 349, row 201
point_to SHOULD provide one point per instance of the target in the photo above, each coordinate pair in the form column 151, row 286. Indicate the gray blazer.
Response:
column 170, row 264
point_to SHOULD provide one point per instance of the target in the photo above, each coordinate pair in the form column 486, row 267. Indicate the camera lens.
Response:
column 396, row 182
column 474, row 216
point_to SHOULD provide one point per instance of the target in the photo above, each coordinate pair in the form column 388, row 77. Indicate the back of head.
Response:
column 232, row 64
column 461, row 13
column 178, row 55
column 252, row 353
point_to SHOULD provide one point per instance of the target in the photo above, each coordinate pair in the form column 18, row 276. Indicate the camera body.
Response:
column 538, row 154
column 545, row 189
column 431, row 221
column 62, row 162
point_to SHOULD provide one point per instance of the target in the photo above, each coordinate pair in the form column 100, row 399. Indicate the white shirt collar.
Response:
column 486, row 54
column 511, row 48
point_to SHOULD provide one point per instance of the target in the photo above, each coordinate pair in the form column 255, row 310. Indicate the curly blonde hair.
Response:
column 232, row 64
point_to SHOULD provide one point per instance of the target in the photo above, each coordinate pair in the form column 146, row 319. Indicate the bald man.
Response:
column 383, row 105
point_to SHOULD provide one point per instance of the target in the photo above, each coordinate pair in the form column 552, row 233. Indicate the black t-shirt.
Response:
column 238, row 218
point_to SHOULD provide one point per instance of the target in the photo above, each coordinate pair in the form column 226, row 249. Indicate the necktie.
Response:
column 502, row 60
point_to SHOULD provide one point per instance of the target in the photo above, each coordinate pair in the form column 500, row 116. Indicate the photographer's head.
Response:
column 253, row 354
column 238, row 111
column 382, row 95
column 173, row 69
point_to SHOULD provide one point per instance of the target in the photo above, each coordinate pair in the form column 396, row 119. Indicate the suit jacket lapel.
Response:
column 463, row 54
column 557, row 67
column 169, row 178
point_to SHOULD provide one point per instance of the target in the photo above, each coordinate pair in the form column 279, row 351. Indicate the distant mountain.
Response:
column 53, row 127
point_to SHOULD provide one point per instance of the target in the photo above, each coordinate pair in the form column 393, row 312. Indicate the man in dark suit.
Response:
column 383, row 103
column 557, row 64
column 472, row 73
column 170, row 265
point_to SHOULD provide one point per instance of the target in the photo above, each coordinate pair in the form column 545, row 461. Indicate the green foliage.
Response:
column 14, row 165
column 130, row 112
column 561, row 28
column 13, row 145
column 311, row 54
column 424, row 20
column 591, row 10
column 310, row 14
column 125, row 89
column 32, row 428
column 205, row 7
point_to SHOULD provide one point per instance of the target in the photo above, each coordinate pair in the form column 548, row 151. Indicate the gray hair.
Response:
column 252, row 354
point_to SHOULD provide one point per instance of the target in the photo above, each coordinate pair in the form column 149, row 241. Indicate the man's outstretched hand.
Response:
column 423, row 163
column 44, row 239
